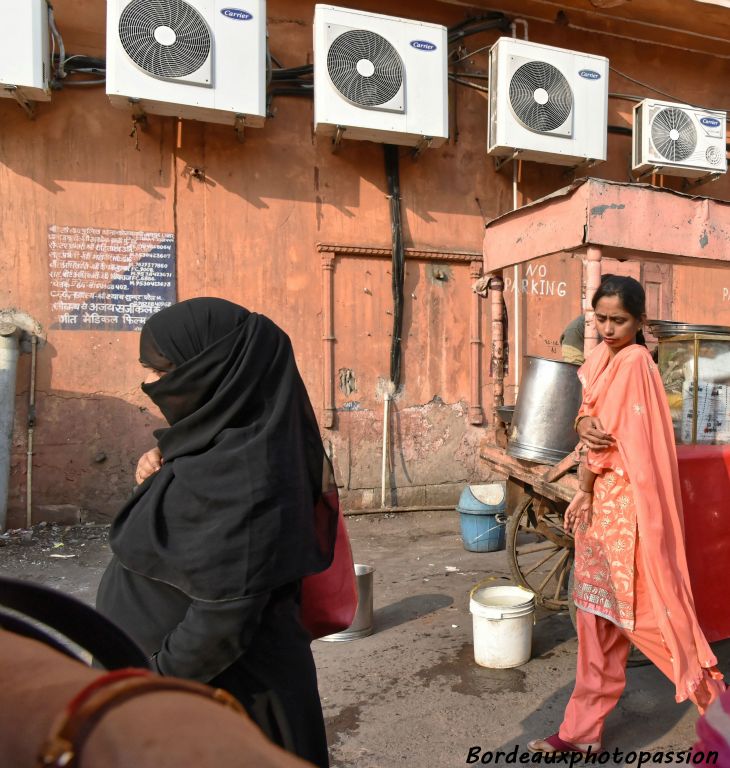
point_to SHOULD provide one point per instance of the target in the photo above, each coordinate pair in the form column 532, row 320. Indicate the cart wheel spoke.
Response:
column 540, row 556
column 528, row 571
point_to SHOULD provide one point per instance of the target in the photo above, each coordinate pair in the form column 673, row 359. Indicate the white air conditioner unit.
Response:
column 546, row 103
column 25, row 59
column 195, row 59
column 678, row 140
column 379, row 77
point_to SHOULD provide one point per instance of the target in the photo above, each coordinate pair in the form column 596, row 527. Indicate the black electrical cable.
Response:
column 306, row 69
column 392, row 173
column 494, row 20
column 307, row 92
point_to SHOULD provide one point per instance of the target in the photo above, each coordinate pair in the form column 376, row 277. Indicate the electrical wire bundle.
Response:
column 290, row 81
column 78, row 70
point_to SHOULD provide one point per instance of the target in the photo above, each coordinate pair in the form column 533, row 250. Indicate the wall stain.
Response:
column 599, row 210
column 704, row 239
column 439, row 274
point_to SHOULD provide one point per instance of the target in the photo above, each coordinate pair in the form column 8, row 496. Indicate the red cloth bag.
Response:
column 329, row 598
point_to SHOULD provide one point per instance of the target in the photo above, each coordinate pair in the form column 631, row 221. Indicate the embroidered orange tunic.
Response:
column 604, row 553
column 637, row 503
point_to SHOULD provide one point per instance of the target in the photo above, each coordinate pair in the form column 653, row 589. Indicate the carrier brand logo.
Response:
column 237, row 14
column 710, row 122
column 423, row 45
column 589, row 74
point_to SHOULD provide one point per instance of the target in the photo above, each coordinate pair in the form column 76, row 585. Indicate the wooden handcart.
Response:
column 590, row 220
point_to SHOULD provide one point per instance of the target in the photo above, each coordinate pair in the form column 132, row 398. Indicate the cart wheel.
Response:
column 540, row 551
column 636, row 657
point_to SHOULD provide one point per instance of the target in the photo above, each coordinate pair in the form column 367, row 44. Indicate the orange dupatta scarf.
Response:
column 626, row 393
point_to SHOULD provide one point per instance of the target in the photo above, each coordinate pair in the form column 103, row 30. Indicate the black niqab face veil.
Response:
column 238, row 507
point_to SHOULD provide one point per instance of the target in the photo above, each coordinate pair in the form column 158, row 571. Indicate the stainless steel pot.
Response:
column 547, row 404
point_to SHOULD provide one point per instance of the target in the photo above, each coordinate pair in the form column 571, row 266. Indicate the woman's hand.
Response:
column 579, row 511
column 149, row 463
column 591, row 432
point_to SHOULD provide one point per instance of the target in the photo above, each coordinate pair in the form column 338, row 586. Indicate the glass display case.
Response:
column 695, row 369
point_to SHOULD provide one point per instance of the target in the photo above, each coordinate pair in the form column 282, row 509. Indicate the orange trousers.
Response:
column 603, row 649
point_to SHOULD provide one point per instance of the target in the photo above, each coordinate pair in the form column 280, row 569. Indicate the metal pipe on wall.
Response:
column 9, row 352
column 386, row 438
column 592, row 271
column 517, row 352
column 476, row 413
column 31, row 427
column 328, row 338
column 496, row 286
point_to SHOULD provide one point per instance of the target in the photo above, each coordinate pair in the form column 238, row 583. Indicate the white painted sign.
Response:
column 108, row 279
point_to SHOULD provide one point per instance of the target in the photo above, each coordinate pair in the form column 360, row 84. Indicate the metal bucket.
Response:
column 547, row 404
column 362, row 624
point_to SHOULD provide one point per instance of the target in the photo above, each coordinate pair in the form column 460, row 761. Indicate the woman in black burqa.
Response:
column 210, row 550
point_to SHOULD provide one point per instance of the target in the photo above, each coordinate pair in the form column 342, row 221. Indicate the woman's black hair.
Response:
column 631, row 294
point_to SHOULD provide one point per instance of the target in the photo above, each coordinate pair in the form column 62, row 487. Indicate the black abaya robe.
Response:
column 210, row 551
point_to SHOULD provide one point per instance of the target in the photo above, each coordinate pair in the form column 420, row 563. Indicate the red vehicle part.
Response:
column 704, row 472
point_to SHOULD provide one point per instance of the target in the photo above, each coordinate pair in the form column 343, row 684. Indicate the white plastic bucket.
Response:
column 502, row 619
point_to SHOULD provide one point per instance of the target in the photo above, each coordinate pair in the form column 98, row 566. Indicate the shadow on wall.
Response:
column 80, row 137
column 86, row 448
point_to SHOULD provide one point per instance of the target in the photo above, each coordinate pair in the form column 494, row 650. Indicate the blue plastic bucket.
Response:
column 481, row 515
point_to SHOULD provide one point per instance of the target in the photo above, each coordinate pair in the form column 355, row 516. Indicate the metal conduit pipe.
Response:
column 9, row 352
column 31, row 427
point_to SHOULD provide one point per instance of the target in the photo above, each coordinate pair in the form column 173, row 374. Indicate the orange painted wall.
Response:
column 248, row 217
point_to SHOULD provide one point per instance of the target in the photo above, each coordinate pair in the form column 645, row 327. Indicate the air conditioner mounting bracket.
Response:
column 500, row 162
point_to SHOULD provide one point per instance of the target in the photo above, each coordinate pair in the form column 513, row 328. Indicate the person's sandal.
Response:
column 561, row 747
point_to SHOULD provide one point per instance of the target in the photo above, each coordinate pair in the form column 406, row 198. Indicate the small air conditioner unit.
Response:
column 379, row 77
column 546, row 103
column 25, row 59
column 678, row 140
column 195, row 59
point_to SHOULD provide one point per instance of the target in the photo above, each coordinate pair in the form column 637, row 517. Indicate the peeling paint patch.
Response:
column 599, row 210
column 704, row 239
column 347, row 381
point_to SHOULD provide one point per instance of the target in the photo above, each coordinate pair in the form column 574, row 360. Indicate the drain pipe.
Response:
column 9, row 352
column 31, row 427
column 517, row 355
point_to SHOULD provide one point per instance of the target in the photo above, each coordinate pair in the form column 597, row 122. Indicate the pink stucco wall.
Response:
column 248, row 218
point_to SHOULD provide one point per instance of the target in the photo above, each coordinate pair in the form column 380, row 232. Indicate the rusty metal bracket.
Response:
column 139, row 120
column 650, row 172
column 500, row 162
column 424, row 143
column 239, row 126
column 713, row 176
column 337, row 138
column 25, row 104
column 589, row 162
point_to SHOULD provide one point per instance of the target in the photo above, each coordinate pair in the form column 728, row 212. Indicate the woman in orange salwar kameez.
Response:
column 631, row 583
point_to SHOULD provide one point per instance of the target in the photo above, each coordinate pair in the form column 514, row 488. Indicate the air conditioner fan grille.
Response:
column 186, row 41
column 540, row 96
column 365, row 68
column 673, row 134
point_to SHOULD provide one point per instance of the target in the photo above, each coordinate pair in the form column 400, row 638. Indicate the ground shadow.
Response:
column 645, row 713
column 551, row 630
column 409, row 609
